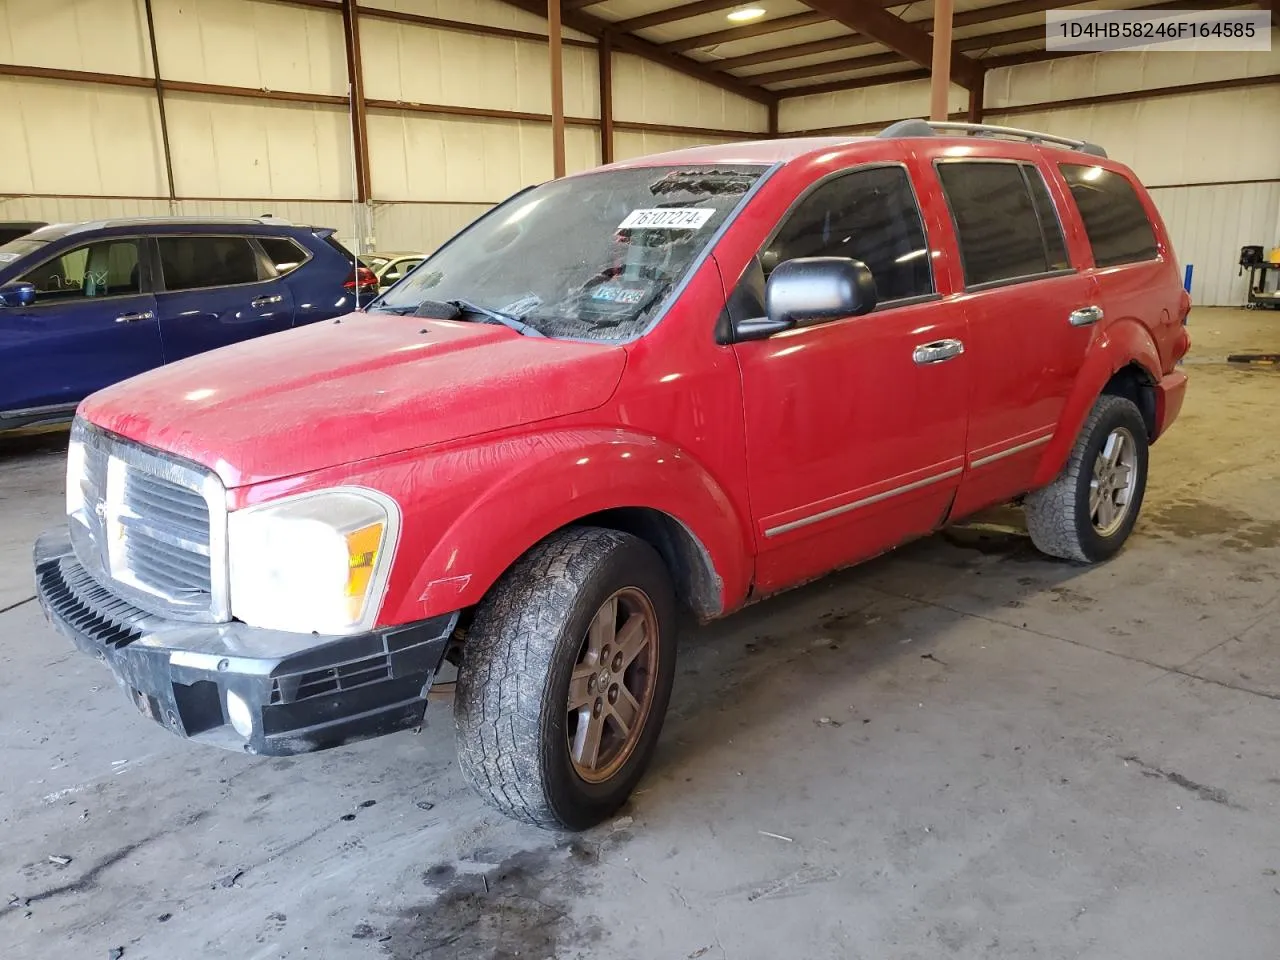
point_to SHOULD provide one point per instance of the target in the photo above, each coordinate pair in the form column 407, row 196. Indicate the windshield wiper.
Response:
column 434, row 308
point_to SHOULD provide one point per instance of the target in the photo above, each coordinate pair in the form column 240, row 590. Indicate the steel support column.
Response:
column 557, row 87
column 355, row 87
column 164, row 121
column 606, row 97
column 940, row 81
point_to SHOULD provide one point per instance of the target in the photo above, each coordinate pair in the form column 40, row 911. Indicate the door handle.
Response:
column 135, row 317
column 937, row 351
column 264, row 301
column 1085, row 316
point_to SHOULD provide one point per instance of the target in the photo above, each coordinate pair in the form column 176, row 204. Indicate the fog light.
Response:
column 240, row 715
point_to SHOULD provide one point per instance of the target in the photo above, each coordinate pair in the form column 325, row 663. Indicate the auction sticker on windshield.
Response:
column 667, row 218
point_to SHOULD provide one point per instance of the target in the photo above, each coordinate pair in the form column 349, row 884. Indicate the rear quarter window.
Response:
column 1114, row 218
column 285, row 254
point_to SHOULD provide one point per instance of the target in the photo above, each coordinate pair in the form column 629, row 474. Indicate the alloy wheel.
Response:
column 612, row 685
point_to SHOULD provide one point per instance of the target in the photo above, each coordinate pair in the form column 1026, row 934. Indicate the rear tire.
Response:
column 565, row 678
column 1088, row 512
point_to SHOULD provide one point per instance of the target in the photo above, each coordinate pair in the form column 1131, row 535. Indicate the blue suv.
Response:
column 85, row 305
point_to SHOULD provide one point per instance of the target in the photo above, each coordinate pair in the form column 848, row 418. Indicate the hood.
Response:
column 359, row 387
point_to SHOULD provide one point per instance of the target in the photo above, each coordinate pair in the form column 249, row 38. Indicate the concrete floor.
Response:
column 959, row 750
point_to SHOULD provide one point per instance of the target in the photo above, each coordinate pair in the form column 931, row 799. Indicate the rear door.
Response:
column 855, row 428
column 215, row 291
column 1021, row 292
column 1136, row 271
column 92, row 324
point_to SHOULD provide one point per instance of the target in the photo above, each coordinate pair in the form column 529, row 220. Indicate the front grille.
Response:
column 85, row 605
column 145, row 526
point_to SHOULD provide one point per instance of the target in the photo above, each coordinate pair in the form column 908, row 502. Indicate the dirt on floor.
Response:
column 958, row 750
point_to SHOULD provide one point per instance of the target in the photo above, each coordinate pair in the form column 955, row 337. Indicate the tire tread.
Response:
column 507, row 659
column 1052, row 519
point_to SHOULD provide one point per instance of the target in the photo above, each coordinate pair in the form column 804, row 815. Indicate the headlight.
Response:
column 314, row 562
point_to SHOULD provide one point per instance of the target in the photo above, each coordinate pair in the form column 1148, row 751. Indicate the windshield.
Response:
column 591, row 257
column 14, row 249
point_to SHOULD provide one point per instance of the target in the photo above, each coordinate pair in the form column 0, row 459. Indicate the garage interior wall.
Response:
column 457, row 120
column 1211, row 159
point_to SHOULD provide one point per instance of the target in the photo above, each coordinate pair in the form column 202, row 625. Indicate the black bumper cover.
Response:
column 305, row 692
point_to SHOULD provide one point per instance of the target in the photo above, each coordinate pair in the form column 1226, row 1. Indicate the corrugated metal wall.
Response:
column 70, row 146
column 1209, row 225
column 646, row 92
column 888, row 102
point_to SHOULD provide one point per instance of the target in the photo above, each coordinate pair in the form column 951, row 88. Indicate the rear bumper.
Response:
column 1170, row 391
column 303, row 692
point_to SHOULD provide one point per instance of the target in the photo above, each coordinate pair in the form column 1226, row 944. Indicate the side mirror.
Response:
column 17, row 293
column 812, row 290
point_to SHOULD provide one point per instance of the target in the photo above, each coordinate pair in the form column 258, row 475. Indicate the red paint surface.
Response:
column 489, row 441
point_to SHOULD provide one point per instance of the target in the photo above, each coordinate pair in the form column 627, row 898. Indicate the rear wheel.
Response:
column 565, row 678
column 1088, row 512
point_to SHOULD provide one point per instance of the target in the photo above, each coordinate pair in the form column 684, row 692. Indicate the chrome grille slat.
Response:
column 193, row 528
column 154, row 566
column 152, row 529
column 185, row 505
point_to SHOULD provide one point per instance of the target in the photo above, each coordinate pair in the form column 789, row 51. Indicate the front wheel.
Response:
column 565, row 678
column 1088, row 512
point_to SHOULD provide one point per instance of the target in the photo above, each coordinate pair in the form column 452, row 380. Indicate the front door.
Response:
column 217, row 290
column 855, row 428
column 92, row 324
column 1021, row 292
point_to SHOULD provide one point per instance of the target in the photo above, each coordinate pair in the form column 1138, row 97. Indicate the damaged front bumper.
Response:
column 289, row 693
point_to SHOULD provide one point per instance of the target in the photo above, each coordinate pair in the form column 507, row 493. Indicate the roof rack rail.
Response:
column 929, row 128
column 265, row 219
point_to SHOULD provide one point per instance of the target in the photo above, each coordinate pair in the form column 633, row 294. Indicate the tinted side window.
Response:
column 1114, row 219
column 190, row 263
column 996, row 221
column 105, row 269
column 1055, row 250
column 284, row 254
column 868, row 215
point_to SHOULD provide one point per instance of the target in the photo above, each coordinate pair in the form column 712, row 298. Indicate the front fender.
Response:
column 520, row 490
column 1121, row 343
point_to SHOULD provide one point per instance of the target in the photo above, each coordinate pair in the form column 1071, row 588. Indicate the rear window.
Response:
column 336, row 245
column 1113, row 216
column 1005, row 231
column 192, row 263
column 285, row 254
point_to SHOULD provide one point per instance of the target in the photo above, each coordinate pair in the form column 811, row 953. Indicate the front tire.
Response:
column 1088, row 512
column 565, row 678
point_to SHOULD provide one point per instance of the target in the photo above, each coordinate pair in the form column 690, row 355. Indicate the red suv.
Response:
column 697, row 378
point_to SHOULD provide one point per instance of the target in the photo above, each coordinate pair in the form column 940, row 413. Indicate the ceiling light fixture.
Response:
column 744, row 14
